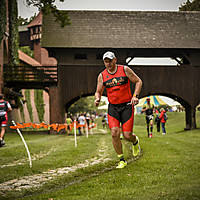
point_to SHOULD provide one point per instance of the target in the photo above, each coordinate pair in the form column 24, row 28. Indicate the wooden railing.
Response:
column 33, row 75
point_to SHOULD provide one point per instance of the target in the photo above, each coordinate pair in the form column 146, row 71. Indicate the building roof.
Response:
column 27, row 59
column 124, row 29
column 37, row 21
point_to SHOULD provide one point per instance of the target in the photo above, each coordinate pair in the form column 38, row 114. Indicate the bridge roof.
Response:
column 124, row 29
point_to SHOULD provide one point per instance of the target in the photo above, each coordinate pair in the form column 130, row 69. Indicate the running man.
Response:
column 4, row 108
column 116, row 79
column 149, row 110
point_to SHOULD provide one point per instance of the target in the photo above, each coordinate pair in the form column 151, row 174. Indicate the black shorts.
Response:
column 149, row 118
column 121, row 113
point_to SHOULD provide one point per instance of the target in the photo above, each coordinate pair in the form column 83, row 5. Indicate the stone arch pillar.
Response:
column 57, row 109
column 190, row 117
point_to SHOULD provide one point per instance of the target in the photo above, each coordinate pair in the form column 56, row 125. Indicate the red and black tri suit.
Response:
column 119, row 96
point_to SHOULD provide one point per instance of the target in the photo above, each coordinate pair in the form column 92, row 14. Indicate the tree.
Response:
column 24, row 21
column 84, row 104
column 193, row 5
column 13, row 40
column 48, row 7
column 2, row 19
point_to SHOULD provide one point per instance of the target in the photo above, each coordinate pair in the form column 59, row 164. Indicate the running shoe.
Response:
column 121, row 164
column 136, row 148
column 2, row 143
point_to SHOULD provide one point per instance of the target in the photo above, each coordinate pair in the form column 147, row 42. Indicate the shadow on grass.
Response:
column 186, row 131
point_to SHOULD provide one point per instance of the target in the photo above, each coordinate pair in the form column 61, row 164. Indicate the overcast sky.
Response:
column 151, row 5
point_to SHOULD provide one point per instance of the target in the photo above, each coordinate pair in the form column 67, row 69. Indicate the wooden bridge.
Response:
column 132, row 34
column 30, row 77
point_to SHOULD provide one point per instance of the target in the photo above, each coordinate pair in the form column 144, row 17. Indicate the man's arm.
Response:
column 144, row 109
column 138, row 84
column 9, row 108
column 99, row 90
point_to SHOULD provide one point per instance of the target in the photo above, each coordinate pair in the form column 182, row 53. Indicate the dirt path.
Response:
column 38, row 180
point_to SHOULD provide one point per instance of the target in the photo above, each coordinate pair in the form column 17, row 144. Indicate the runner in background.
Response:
column 149, row 110
column 4, row 108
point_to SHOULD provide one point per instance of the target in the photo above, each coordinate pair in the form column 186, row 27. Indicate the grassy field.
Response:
column 167, row 169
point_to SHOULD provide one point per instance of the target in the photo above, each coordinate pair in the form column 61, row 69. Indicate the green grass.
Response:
column 168, row 168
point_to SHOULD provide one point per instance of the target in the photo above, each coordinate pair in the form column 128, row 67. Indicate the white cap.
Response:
column 109, row 55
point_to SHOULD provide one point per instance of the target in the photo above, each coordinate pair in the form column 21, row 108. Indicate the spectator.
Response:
column 103, row 121
column 157, row 120
column 82, row 122
column 68, row 124
column 163, row 120
column 88, row 119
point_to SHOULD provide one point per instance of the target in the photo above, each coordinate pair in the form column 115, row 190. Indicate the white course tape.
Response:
column 20, row 134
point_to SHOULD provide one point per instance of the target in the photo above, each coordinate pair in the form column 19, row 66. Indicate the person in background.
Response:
column 88, row 127
column 4, row 108
column 68, row 123
column 149, row 110
column 116, row 79
column 87, row 117
column 103, row 121
column 106, row 119
column 82, row 122
column 157, row 120
column 163, row 120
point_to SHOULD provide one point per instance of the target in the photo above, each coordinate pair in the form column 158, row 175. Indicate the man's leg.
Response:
column 127, row 128
column 130, row 137
column 158, row 126
column 3, row 129
column 115, row 132
column 148, row 130
column 147, row 123
column 117, row 144
column 151, row 128
column 114, row 125
column 163, row 128
column 135, row 142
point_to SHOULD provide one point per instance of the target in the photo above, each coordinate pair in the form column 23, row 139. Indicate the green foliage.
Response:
column 39, row 103
column 193, row 5
column 24, row 21
column 29, row 106
column 47, row 7
column 84, row 104
column 13, row 32
column 27, row 50
column 2, row 19
column 166, row 107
